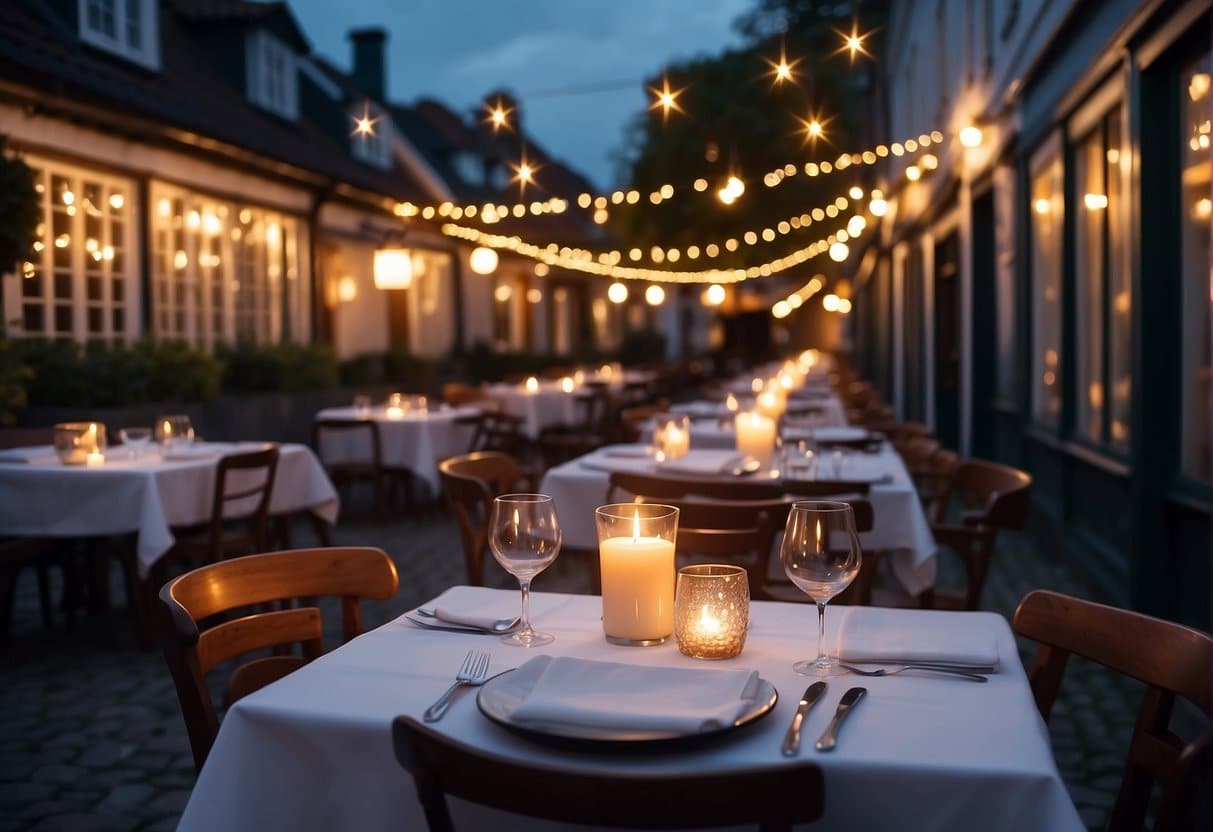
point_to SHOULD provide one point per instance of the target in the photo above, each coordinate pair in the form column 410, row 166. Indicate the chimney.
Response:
column 370, row 68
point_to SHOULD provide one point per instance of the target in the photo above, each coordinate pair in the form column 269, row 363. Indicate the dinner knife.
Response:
column 791, row 740
column 849, row 699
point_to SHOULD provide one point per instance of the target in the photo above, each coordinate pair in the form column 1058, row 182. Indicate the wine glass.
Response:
column 136, row 440
column 524, row 536
column 820, row 553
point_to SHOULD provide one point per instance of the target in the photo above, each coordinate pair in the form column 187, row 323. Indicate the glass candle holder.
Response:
column 636, row 551
column 362, row 406
column 80, row 443
column 711, row 610
column 396, row 405
column 671, row 436
column 174, row 430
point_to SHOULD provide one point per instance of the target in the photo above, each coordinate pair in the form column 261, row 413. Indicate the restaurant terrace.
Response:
column 708, row 413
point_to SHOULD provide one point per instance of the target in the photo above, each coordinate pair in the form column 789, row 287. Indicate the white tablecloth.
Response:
column 314, row 750
column 147, row 496
column 546, row 407
column 713, row 427
column 579, row 486
column 417, row 441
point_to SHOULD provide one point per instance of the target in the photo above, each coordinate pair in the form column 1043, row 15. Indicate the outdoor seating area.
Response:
column 738, row 414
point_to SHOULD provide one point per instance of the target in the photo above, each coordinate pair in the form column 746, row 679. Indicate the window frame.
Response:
column 261, row 48
column 374, row 148
column 1047, row 153
column 147, row 54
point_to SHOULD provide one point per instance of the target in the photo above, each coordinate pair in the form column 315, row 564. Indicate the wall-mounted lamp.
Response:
column 393, row 268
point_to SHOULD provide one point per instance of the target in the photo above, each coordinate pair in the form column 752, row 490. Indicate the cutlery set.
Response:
column 828, row 739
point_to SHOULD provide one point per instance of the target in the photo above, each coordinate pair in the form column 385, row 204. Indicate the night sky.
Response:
column 457, row 50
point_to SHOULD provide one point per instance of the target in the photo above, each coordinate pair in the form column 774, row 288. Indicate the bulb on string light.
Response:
column 970, row 136
column 781, row 309
column 654, row 295
column 839, row 252
column 852, row 42
column 498, row 115
column 665, row 99
column 913, row 173
column 617, row 293
column 783, row 69
column 364, row 125
column 713, row 295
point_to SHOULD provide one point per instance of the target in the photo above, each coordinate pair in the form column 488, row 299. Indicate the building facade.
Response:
column 1042, row 296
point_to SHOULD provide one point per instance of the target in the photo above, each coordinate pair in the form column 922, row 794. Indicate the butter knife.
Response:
column 849, row 699
column 791, row 740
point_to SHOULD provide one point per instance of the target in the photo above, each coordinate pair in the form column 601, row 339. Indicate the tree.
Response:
column 19, row 211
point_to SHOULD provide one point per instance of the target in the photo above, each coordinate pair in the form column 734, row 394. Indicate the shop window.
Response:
column 1197, row 361
column 80, row 281
column 1047, row 211
column 1103, row 339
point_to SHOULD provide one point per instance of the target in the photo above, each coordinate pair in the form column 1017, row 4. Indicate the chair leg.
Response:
column 8, row 588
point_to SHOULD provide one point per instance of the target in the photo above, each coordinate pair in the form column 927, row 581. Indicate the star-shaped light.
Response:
column 783, row 69
column 364, row 125
column 814, row 128
column 852, row 42
column 524, row 173
column 498, row 115
column 665, row 99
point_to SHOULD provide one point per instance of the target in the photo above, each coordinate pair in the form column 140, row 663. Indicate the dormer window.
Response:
column 127, row 28
column 273, row 78
column 371, row 137
column 469, row 167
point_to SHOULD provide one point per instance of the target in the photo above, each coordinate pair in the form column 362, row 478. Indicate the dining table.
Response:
column 143, row 491
column 414, row 439
column 712, row 423
column 549, row 404
column 900, row 525
column 925, row 751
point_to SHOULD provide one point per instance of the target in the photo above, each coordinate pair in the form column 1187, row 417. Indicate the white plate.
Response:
column 501, row 695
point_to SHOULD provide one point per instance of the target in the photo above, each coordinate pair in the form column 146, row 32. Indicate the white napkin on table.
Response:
column 583, row 693
column 891, row 636
column 35, row 455
column 478, row 617
column 703, row 461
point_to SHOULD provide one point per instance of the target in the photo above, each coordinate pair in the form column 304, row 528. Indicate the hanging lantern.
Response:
column 483, row 260
column 393, row 268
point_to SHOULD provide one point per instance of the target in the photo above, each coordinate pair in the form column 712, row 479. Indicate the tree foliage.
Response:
column 19, row 212
column 738, row 121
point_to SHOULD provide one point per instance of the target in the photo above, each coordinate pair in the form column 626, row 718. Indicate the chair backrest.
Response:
column 456, row 393
column 633, row 419
column 244, row 483
column 671, row 487
column 324, row 427
column 1002, row 493
column 775, row 797
column 470, row 483
column 1171, row 659
column 348, row 573
column 497, row 430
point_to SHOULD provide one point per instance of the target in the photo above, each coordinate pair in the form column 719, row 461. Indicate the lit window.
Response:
column 80, row 281
column 1195, row 213
column 1047, row 215
column 124, row 27
column 273, row 79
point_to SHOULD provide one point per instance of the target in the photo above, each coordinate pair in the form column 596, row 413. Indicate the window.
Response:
column 223, row 273
column 1197, row 367
column 1047, row 208
column 507, row 312
column 374, row 146
column 1103, row 305
column 125, row 27
column 273, row 80
column 469, row 167
column 81, row 281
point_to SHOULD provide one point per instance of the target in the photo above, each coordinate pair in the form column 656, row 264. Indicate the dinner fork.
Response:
column 930, row 668
column 473, row 672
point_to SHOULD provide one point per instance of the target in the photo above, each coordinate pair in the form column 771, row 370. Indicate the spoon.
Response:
column 501, row 625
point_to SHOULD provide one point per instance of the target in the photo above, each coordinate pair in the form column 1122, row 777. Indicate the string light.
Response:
column 970, row 136
column 364, row 125
column 524, row 174
column 866, row 157
column 782, row 70
column 499, row 116
column 852, row 42
column 665, row 99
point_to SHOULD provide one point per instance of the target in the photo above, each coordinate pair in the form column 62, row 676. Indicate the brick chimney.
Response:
column 370, row 62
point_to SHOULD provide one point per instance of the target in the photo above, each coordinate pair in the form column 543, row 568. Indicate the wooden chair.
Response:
column 1171, row 659
column 775, row 797
column 382, row 478
column 348, row 573
column 632, row 420
column 457, row 394
column 658, row 487
column 1001, row 499
column 228, row 535
column 934, row 480
column 470, row 483
column 559, row 443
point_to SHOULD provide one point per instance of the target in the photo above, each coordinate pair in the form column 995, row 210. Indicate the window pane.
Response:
column 1120, row 299
column 1048, row 206
column 134, row 24
column 1090, row 239
column 1197, row 291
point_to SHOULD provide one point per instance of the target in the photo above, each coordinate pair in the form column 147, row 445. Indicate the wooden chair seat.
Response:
column 1172, row 660
column 775, row 797
column 278, row 578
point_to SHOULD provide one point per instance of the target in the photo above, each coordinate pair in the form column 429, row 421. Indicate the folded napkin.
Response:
column 479, row 617
column 892, row 636
column 579, row 693
column 855, row 468
column 703, row 461
column 36, row 455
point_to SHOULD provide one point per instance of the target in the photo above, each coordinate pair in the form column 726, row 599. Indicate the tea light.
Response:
column 711, row 610
column 77, row 442
column 730, row 403
column 579, row 377
column 394, row 412
column 756, row 385
column 636, row 549
column 770, row 403
column 567, row 384
column 756, row 436
column 672, row 437
column 532, row 384
column 95, row 459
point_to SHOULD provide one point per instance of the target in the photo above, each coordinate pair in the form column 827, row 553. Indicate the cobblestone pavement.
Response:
column 91, row 737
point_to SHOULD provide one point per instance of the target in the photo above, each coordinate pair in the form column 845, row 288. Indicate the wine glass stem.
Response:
column 821, row 630
column 525, row 583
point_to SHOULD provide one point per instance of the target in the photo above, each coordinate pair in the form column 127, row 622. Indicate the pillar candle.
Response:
column 756, row 436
